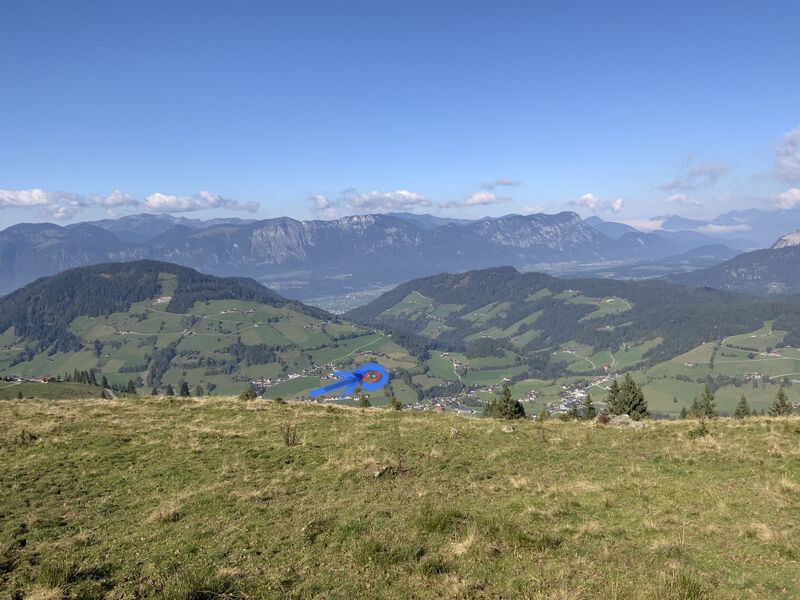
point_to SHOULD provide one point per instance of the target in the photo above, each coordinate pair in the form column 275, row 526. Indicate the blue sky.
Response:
column 627, row 110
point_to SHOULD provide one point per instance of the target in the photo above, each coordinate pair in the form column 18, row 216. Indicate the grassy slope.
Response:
column 49, row 391
column 201, row 499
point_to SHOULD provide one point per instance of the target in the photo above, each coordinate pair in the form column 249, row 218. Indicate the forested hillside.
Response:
column 42, row 311
column 147, row 325
column 770, row 272
column 534, row 312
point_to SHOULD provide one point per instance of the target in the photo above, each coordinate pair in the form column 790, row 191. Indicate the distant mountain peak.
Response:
column 790, row 239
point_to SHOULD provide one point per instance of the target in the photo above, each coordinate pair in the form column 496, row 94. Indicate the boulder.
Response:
column 623, row 422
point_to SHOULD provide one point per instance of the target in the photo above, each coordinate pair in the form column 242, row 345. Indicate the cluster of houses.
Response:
column 21, row 379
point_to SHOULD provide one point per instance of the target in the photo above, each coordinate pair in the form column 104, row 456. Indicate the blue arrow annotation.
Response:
column 371, row 377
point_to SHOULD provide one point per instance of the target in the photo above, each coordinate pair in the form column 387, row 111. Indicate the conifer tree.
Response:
column 504, row 407
column 184, row 389
column 131, row 387
column 363, row 402
column 684, row 412
column 394, row 404
column 104, row 382
column 706, row 406
column 742, row 409
column 589, row 411
column 169, row 391
column 154, row 391
column 780, row 406
column 612, row 398
column 19, row 395
column 629, row 400
column 694, row 411
column 199, row 391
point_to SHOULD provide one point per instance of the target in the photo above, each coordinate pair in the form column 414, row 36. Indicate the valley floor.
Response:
column 191, row 499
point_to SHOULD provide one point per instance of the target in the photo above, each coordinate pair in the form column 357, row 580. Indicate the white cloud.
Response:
column 351, row 201
column 24, row 198
column 383, row 202
column 476, row 199
column 788, row 200
column 61, row 205
column 322, row 207
column 158, row 202
column 60, row 212
column 114, row 199
column 500, row 181
column 703, row 175
column 712, row 229
column 484, row 198
column 450, row 204
column 209, row 200
column 593, row 203
column 787, row 156
column 683, row 200
column 532, row 210
column 645, row 225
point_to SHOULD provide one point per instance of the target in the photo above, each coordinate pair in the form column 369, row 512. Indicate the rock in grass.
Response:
column 624, row 422
column 509, row 429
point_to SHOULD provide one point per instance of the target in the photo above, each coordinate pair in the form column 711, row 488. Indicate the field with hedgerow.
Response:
column 222, row 498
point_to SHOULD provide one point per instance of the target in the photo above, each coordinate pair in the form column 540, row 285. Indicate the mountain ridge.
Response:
column 308, row 259
column 766, row 272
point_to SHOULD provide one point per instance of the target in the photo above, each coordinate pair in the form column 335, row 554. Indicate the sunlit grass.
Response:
column 152, row 498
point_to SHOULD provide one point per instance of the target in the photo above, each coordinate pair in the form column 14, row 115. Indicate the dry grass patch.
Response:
column 763, row 532
column 788, row 486
column 518, row 481
column 166, row 513
column 41, row 592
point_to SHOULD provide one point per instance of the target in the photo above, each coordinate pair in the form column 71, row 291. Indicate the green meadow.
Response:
column 187, row 499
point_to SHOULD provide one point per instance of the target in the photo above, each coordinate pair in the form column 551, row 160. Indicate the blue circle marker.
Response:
column 370, row 376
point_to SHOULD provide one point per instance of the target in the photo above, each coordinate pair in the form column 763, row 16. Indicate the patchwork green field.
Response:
column 212, row 498
column 123, row 344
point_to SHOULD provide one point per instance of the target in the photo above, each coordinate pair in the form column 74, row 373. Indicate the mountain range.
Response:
column 312, row 259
